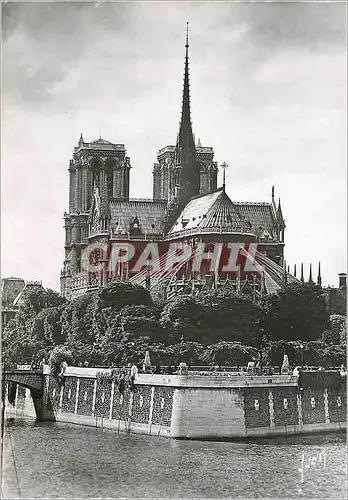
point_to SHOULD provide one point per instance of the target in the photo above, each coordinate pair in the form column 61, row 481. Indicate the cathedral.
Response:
column 187, row 207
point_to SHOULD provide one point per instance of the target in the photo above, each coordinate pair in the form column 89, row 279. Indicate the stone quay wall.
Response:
column 216, row 406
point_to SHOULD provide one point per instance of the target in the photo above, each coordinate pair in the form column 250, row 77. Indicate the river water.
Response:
column 50, row 460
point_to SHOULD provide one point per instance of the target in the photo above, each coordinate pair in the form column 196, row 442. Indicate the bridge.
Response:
column 34, row 380
column 31, row 379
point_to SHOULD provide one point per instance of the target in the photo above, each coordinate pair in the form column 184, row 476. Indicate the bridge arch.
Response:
column 30, row 379
column 34, row 381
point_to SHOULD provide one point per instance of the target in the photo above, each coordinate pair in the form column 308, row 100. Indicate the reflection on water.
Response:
column 63, row 460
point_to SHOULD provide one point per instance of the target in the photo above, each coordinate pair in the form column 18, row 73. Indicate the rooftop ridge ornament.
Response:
column 224, row 166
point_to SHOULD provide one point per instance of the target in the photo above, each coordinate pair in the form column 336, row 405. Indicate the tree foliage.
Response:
column 313, row 353
column 296, row 312
column 46, row 326
column 119, row 323
column 17, row 345
column 182, row 318
column 228, row 353
column 57, row 356
column 337, row 331
column 77, row 320
column 219, row 315
column 36, row 299
column 231, row 317
column 118, row 294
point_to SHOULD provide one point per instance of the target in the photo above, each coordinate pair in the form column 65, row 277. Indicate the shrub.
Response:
column 57, row 356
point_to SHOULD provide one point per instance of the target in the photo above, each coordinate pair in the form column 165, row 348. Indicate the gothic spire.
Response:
column 273, row 201
column 280, row 214
column 302, row 277
column 310, row 279
column 185, row 110
column 319, row 275
column 185, row 149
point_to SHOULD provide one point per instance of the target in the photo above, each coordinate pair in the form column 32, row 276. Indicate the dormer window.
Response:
column 135, row 226
column 265, row 235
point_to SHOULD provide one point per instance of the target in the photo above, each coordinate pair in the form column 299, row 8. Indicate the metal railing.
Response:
column 209, row 230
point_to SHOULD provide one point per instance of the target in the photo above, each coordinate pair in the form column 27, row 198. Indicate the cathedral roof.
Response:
column 260, row 215
column 150, row 214
column 101, row 141
column 98, row 144
column 213, row 210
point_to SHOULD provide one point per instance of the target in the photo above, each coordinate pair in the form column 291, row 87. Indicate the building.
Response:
column 12, row 293
column 337, row 297
column 187, row 208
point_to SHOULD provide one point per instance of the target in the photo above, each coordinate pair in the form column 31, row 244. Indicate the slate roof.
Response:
column 99, row 145
column 100, row 141
column 151, row 215
column 259, row 215
column 29, row 285
column 10, row 289
column 213, row 210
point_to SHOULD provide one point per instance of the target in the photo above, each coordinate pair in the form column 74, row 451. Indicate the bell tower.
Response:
column 100, row 165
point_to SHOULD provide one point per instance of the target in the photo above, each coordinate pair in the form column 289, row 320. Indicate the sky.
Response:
column 268, row 93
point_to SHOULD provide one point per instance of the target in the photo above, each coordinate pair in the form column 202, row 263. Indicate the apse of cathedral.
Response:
column 187, row 207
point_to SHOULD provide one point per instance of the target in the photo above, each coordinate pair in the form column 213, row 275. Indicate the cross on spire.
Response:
column 224, row 166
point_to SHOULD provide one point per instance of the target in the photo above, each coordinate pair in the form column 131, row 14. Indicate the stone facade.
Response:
column 166, row 172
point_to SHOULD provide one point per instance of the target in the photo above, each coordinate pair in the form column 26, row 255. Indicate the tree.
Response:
column 337, row 331
column 77, row 320
column 138, row 320
column 57, row 355
column 124, row 351
column 230, row 317
column 36, row 299
column 228, row 353
column 218, row 315
column 118, row 294
column 18, row 342
column 334, row 356
column 187, row 352
column 35, row 327
column 297, row 312
column 298, row 352
column 181, row 317
column 46, row 326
